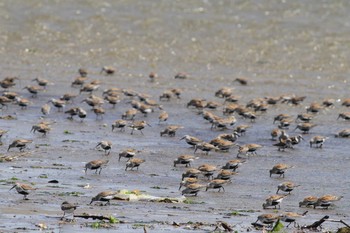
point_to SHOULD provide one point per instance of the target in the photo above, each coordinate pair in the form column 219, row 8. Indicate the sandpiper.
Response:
column 8, row 82
column 225, row 174
column 305, row 127
column 119, row 124
column 181, row 75
column 71, row 112
column 187, row 181
column 128, row 153
column 346, row 103
column 318, row 141
column 223, row 123
column 41, row 82
column 273, row 200
column 170, row 130
column 286, row 187
column 163, row 116
column 242, row 81
column 4, row 101
column 308, row 201
column 89, row 88
column 279, row 169
column 345, row 133
column 196, row 103
column 153, row 76
column 207, row 170
column 59, row 104
column 224, row 92
column 285, row 123
column 68, row 208
column 191, row 173
column 280, row 117
column 19, row 143
column 229, row 137
column 105, row 196
column 283, row 144
column 241, row 129
column 222, row 144
column 267, row 218
column 290, row 217
column 83, row 72
column 216, row 184
column 314, row 108
column 192, row 189
column 326, row 201
column 79, row 81
column 138, row 125
column 99, row 111
column 233, row 164
column 304, row 117
column 22, row 102
column 134, row 162
column 68, row 97
column 165, row 96
column 41, row 128
column 129, row 114
column 344, row 115
column 184, row 159
column 45, row 109
column 206, row 147
column 193, row 141
column 106, row 146
column 248, row 148
column 296, row 139
column 23, row 189
column 113, row 100
column 108, row 70
column 96, row 165
column 34, row 90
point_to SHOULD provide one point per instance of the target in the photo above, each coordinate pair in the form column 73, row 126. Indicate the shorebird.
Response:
column 170, row 130
column 224, row 92
column 108, row 70
column 106, row 146
column 187, row 181
column 41, row 128
column 8, row 82
column 193, row 141
column 242, row 81
column 22, row 102
column 345, row 133
column 191, row 173
column 318, row 141
column 166, row 96
column 285, row 123
column 153, row 76
column 216, row 184
column 286, row 187
column 283, row 144
column 79, row 81
column 23, row 189
column 192, row 189
column 273, row 200
column 128, row 153
column 279, row 169
column 34, row 90
column 196, row 103
column 225, row 174
column 93, row 101
column 181, row 75
column 105, row 196
column 99, row 112
column 68, row 208
column 267, row 218
column 71, row 112
column 163, row 116
column 83, row 72
column 308, row 201
column 326, row 201
column 119, row 124
column 19, row 143
column 138, row 125
column 134, row 162
column 344, row 115
column 233, row 164
column 10, row 95
column 305, row 117
column 290, row 217
column 280, row 117
column 223, row 123
column 68, row 97
column 248, row 148
column 129, row 114
column 59, row 104
column 241, row 129
column 113, row 100
column 346, row 103
column 229, row 137
column 89, row 88
column 305, row 127
column 314, row 108
column 206, row 147
column 222, row 144
column 207, row 170
column 296, row 139
column 96, row 165
column 45, row 109
column 184, row 159
column 41, row 82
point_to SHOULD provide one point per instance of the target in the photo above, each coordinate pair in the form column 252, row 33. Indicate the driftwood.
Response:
column 87, row 216
column 316, row 224
column 341, row 221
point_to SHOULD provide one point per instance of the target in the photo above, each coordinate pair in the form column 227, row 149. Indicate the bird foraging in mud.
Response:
column 308, row 201
column 216, row 184
column 248, row 148
column 267, row 218
column 119, row 124
column 279, row 169
column 192, row 189
column 128, row 153
column 19, row 143
column 68, row 208
column 134, row 162
column 326, row 201
column 286, row 187
column 108, row 70
column 273, row 200
column 138, row 125
column 184, row 159
column 105, row 196
column 170, row 130
column 193, row 141
column 106, row 146
column 23, row 189
column 318, row 141
column 96, row 165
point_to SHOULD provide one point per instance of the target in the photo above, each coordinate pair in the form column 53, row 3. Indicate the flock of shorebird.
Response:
column 142, row 104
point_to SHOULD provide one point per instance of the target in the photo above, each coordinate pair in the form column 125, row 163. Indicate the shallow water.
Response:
column 285, row 47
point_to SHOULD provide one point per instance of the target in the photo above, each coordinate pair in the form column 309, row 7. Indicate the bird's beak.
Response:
column 13, row 187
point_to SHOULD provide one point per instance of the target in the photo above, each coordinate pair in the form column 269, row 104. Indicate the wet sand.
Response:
column 281, row 48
